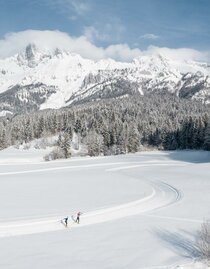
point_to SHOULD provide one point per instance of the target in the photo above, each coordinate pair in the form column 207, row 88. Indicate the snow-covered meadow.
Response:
column 139, row 210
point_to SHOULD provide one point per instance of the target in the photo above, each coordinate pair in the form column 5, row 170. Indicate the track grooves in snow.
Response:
column 88, row 166
column 162, row 195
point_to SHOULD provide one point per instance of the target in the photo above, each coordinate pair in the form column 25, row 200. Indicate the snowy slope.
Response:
column 53, row 79
column 139, row 210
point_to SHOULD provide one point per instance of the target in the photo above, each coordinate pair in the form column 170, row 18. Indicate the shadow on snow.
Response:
column 183, row 243
column 190, row 156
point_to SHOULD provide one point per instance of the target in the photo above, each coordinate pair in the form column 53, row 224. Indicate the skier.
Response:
column 66, row 221
column 78, row 217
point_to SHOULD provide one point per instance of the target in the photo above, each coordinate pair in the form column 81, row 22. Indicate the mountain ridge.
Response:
column 75, row 79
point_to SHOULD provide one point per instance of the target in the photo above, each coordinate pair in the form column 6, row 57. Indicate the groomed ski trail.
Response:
column 162, row 195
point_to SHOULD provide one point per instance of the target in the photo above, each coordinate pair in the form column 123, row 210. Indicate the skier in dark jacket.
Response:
column 66, row 220
column 78, row 217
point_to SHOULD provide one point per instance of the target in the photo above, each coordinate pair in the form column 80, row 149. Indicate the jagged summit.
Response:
column 32, row 55
column 30, row 52
column 153, row 64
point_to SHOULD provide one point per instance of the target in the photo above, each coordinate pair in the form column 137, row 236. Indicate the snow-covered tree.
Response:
column 64, row 143
column 95, row 143
column 3, row 139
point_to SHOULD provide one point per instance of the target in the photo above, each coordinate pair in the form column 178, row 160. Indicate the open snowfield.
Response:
column 139, row 210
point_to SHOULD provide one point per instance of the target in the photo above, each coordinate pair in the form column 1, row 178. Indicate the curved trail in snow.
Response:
column 162, row 195
column 88, row 166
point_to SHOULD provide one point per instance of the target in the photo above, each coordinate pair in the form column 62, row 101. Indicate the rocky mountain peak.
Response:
column 30, row 52
column 153, row 63
column 32, row 55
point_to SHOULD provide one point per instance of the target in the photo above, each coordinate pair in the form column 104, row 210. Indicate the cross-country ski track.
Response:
column 162, row 195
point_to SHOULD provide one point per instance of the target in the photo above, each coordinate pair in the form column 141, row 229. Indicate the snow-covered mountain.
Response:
column 38, row 79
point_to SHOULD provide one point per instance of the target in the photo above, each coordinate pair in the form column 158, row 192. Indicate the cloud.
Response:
column 91, row 33
column 122, row 52
column 14, row 43
column 71, row 8
column 149, row 36
column 180, row 54
column 111, row 31
column 79, row 7
column 48, row 40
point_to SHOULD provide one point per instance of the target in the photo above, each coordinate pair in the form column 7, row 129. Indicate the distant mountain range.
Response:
column 36, row 79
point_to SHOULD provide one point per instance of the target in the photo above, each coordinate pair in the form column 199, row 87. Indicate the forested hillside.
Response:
column 117, row 126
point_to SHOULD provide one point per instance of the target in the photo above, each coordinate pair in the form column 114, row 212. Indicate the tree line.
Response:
column 116, row 126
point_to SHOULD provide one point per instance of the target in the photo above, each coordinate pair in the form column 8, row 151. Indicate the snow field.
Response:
column 140, row 211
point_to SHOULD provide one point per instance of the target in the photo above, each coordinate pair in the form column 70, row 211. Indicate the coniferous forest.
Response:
column 116, row 126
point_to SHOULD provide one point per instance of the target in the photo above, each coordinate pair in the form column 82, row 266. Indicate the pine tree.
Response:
column 106, row 135
column 77, row 126
column 28, row 135
column 40, row 127
column 3, row 139
column 65, row 145
column 133, row 140
column 94, row 144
